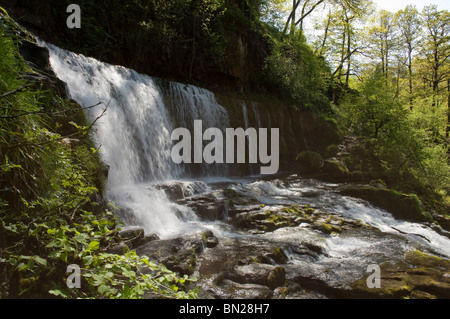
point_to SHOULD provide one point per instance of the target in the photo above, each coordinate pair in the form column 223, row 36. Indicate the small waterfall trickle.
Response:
column 245, row 114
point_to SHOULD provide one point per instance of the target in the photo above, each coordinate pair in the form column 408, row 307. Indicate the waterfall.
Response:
column 134, row 136
column 134, row 133
column 252, row 216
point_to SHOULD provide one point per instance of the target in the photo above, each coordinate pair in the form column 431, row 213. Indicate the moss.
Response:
column 418, row 276
column 278, row 255
column 278, row 220
column 308, row 210
column 276, row 277
column 332, row 150
column 309, row 162
column 329, row 228
column 335, row 171
column 402, row 206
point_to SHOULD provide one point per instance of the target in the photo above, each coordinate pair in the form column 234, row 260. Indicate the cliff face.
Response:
column 197, row 42
column 210, row 46
column 299, row 129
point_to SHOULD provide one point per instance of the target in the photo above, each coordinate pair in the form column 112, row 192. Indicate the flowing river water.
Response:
column 325, row 247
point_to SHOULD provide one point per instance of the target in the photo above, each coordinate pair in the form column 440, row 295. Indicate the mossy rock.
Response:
column 401, row 206
column 330, row 229
column 332, row 150
column 309, row 162
column 335, row 171
column 418, row 276
column 328, row 130
column 443, row 221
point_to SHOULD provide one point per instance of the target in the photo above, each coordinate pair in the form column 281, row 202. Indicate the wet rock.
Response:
column 235, row 198
column 173, row 191
column 132, row 232
column 268, row 220
column 147, row 239
column 443, row 221
column 210, row 240
column 178, row 254
column 208, row 207
column 401, row 206
column 309, row 162
column 259, row 274
column 233, row 290
column 309, row 277
column 119, row 249
column 262, row 221
column 276, row 256
column 418, row 276
column 132, row 236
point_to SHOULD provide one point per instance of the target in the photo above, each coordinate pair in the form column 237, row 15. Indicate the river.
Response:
column 326, row 240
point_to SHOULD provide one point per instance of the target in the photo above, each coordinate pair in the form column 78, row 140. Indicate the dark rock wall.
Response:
column 112, row 32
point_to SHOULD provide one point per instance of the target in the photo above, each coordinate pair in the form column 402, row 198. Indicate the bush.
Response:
column 49, row 215
column 298, row 72
column 396, row 148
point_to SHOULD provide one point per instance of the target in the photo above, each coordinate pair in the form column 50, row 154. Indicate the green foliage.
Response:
column 50, row 215
column 375, row 113
column 403, row 149
column 298, row 72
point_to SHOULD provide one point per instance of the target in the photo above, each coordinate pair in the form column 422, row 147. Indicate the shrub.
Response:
column 49, row 217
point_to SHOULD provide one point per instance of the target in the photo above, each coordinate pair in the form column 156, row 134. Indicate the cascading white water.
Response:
column 134, row 134
column 134, row 138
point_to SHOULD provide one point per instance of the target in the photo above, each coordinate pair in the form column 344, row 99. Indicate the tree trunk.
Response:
column 349, row 47
column 447, row 132
column 325, row 36
column 294, row 13
column 410, row 77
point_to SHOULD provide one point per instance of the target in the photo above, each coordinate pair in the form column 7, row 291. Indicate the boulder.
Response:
column 309, row 162
column 178, row 254
column 418, row 276
column 208, row 208
column 443, row 221
column 132, row 236
column 333, row 170
column 258, row 274
column 401, row 206
column 173, row 191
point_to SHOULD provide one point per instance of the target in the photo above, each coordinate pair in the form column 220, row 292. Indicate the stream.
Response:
column 249, row 236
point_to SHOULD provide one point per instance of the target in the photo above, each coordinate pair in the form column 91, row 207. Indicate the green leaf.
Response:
column 58, row 293
column 87, row 260
column 40, row 261
column 63, row 256
column 102, row 289
column 94, row 245
column 52, row 244
column 22, row 266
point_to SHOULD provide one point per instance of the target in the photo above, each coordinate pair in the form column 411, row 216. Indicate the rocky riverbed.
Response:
column 297, row 238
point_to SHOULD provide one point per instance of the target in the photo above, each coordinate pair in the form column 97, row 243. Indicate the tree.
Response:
column 340, row 41
column 298, row 73
column 273, row 12
column 409, row 24
column 308, row 7
column 436, row 46
column 383, row 39
column 436, row 51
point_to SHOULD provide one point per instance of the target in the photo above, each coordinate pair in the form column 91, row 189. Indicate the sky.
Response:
column 395, row 5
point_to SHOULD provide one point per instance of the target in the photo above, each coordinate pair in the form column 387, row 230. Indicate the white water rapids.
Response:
column 134, row 140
